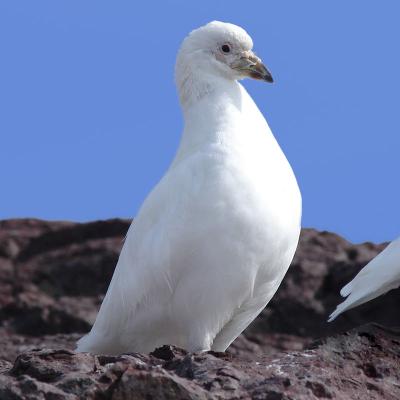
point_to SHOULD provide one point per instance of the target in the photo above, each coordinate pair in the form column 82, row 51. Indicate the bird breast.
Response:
column 240, row 180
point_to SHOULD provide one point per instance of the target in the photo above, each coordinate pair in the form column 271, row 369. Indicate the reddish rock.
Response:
column 360, row 364
column 53, row 276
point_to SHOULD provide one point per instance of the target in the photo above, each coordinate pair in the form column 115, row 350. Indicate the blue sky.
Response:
column 89, row 117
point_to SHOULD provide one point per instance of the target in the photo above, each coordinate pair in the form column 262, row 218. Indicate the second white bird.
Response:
column 379, row 276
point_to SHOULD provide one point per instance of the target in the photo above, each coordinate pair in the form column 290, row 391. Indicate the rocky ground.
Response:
column 53, row 276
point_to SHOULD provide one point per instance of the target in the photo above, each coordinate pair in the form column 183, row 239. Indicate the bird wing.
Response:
column 141, row 279
column 378, row 277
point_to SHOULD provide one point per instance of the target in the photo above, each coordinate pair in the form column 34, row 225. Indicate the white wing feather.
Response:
column 378, row 277
column 143, row 278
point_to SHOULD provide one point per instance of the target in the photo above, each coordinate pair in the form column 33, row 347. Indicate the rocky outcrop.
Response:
column 53, row 276
column 360, row 364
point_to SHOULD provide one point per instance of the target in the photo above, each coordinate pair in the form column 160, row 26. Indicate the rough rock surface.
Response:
column 53, row 276
column 364, row 361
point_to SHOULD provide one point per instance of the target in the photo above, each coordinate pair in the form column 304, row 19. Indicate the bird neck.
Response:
column 212, row 114
column 211, row 96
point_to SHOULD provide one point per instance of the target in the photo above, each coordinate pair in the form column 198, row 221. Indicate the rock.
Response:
column 53, row 277
column 57, row 273
column 360, row 364
column 323, row 264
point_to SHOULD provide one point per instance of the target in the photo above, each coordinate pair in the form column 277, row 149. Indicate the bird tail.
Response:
column 378, row 277
column 82, row 344
column 87, row 344
column 97, row 343
column 356, row 295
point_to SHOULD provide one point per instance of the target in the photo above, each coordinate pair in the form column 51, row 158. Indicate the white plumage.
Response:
column 215, row 237
column 378, row 277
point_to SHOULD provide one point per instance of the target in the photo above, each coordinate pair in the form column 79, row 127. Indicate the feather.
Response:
column 378, row 277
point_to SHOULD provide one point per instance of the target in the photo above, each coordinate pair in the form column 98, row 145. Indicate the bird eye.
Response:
column 225, row 48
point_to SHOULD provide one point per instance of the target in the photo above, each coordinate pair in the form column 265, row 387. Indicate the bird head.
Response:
column 224, row 49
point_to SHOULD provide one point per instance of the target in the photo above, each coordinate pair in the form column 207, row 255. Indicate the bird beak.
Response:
column 250, row 65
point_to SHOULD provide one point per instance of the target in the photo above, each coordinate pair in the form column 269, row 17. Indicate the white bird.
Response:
column 378, row 277
column 215, row 237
